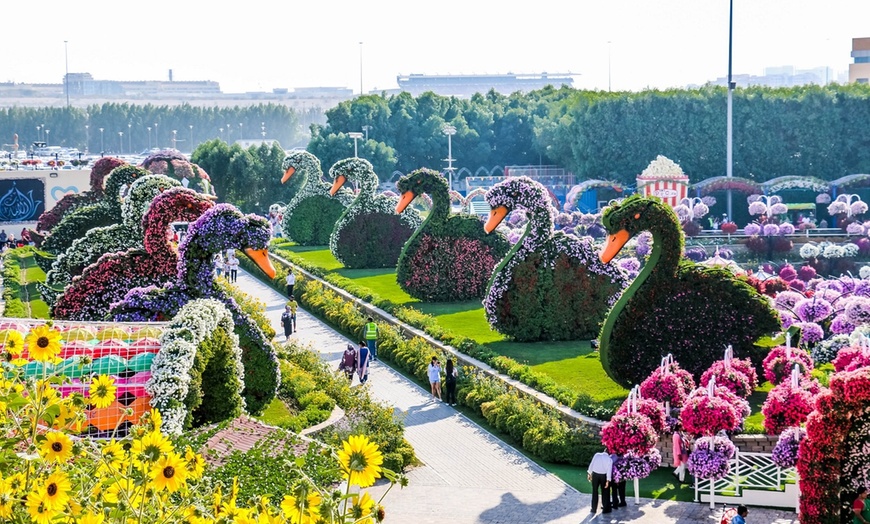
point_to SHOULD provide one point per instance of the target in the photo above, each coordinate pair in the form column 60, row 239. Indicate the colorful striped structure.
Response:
column 121, row 350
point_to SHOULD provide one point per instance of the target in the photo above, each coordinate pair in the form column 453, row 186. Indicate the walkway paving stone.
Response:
column 468, row 475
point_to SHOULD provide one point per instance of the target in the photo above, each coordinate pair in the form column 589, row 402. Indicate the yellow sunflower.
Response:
column 39, row 511
column 16, row 482
column 195, row 463
column 92, row 518
column 150, row 447
column 57, row 447
column 54, row 491
column 360, row 461
column 102, row 392
column 7, row 500
column 362, row 508
column 12, row 341
column 113, row 458
column 43, row 343
column 124, row 490
column 294, row 512
column 46, row 394
column 169, row 472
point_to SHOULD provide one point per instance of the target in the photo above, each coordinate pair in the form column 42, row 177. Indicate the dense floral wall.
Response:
column 69, row 203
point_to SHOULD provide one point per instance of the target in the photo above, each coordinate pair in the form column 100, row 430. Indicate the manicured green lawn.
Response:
column 572, row 364
column 276, row 412
column 755, row 422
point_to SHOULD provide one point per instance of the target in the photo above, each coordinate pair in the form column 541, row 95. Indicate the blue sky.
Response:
column 259, row 45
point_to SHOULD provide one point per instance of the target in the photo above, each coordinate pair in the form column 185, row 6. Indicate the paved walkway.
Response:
column 469, row 476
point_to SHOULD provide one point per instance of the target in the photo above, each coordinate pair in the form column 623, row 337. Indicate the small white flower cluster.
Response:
column 663, row 167
column 170, row 370
column 828, row 250
column 864, row 272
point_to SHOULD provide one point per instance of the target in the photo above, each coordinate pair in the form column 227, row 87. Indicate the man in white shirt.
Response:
column 599, row 475
column 291, row 281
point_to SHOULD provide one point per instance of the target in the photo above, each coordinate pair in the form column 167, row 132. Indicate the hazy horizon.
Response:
column 258, row 46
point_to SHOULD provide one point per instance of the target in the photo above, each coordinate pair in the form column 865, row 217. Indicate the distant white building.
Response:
column 783, row 76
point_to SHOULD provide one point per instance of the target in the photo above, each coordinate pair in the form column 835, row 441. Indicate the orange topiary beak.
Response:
column 288, row 174
column 407, row 198
column 614, row 245
column 339, row 181
column 261, row 258
column 496, row 215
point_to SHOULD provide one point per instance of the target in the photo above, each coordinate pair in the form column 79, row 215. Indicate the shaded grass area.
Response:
column 572, row 364
column 755, row 422
column 31, row 274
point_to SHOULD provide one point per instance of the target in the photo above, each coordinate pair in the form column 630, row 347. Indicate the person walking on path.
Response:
column 450, row 380
column 348, row 362
column 370, row 335
column 434, row 372
column 290, row 281
column 218, row 264
column 599, row 474
column 293, row 305
column 681, row 454
column 617, row 489
column 287, row 322
column 363, row 360
column 233, row 266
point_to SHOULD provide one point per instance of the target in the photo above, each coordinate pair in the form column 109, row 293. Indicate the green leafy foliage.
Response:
column 313, row 220
column 213, row 394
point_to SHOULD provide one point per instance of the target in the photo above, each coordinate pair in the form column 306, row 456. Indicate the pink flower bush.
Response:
column 460, row 271
column 779, row 363
column 651, row 409
column 738, row 376
column 628, row 432
column 851, row 358
column 705, row 415
column 787, row 406
column 673, row 387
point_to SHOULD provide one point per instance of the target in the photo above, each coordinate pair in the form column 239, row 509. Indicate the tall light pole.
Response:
column 360, row 70
column 87, row 137
column 263, row 130
column 449, row 131
column 120, row 142
column 356, row 136
column 149, row 138
column 229, row 133
column 101, row 142
column 130, row 136
column 608, row 66
column 222, row 132
column 174, row 138
column 66, row 77
column 728, row 147
column 156, row 137
column 241, row 136
column 191, row 138
column 47, row 131
column 366, row 129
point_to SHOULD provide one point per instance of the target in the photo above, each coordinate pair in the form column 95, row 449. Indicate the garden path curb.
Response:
column 568, row 414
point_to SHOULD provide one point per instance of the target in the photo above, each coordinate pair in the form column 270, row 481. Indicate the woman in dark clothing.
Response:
column 451, row 373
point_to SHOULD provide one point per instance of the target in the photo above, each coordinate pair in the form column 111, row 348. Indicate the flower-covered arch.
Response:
column 172, row 163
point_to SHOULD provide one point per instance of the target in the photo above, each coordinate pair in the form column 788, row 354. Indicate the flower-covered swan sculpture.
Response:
column 108, row 239
column 450, row 257
column 311, row 214
column 550, row 286
column 154, row 263
column 221, row 228
column 368, row 234
column 674, row 305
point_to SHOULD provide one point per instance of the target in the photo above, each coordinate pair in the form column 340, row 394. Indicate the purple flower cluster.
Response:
column 710, row 459
column 633, row 466
column 785, row 453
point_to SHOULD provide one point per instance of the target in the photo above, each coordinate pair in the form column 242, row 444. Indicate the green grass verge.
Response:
column 276, row 413
column 571, row 364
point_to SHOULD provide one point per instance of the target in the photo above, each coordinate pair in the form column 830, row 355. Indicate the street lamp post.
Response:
column 66, row 77
column 222, row 133
column 241, row 136
column 366, row 129
column 120, row 142
column 47, row 131
column 728, row 146
column 174, row 138
column 87, row 137
column 130, row 136
column 356, row 136
column 156, row 136
column 191, row 138
column 449, row 131
column 229, row 132
column 149, row 138
column 101, row 142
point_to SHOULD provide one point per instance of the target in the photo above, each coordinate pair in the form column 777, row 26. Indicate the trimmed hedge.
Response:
column 312, row 220
column 12, row 288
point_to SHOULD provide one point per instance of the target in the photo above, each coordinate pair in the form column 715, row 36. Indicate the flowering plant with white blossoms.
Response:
column 663, row 167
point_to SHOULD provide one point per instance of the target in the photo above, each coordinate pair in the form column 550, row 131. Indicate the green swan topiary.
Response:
column 674, row 305
column 369, row 234
column 311, row 214
column 550, row 286
column 450, row 257
column 127, row 234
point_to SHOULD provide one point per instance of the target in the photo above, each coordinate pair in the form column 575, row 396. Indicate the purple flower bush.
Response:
column 550, row 286
column 636, row 466
column 785, row 453
column 710, row 458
